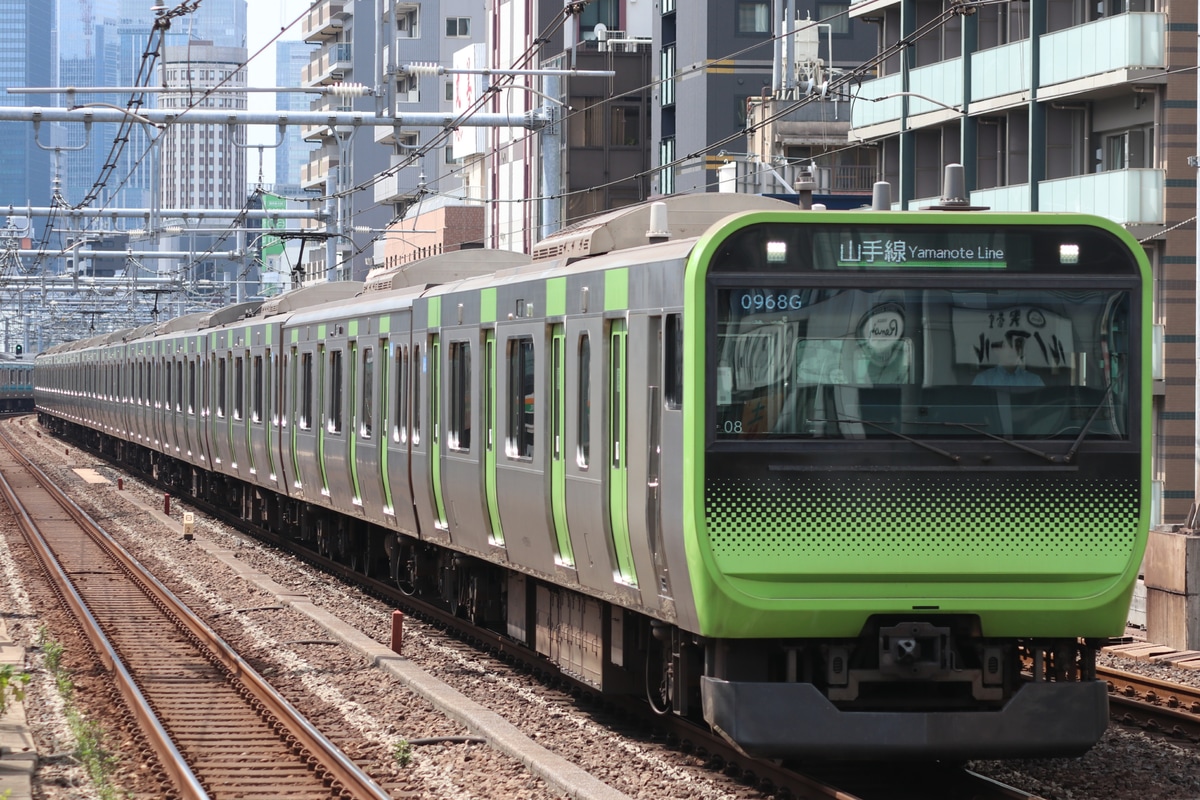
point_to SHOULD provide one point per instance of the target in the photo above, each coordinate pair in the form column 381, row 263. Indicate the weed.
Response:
column 98, row 761
column 12, row 686
column 402, row 752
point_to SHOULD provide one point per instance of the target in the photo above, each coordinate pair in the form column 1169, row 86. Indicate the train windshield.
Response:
column 807, row 363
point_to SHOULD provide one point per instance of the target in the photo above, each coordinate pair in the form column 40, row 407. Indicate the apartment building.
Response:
column 1058, row 105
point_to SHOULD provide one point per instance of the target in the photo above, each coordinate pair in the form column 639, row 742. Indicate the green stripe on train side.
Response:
column 616, row 289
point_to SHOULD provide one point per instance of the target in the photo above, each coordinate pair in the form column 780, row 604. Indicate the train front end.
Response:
column 917, row 481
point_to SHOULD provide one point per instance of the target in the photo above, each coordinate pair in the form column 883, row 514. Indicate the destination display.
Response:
column 909, row 248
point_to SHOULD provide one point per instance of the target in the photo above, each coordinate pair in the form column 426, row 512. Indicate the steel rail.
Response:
column 341, row 771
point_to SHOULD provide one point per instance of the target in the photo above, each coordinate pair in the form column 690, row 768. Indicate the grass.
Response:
column 12, row 686
column 90, row 750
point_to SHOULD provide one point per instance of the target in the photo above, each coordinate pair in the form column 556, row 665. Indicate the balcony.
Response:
column 999, row 73
column 398, row 186
column 1126, row 196
column 942, row 83
column 858, row 8
column 312, row 174
column 1003, row 198
column 330, row 67
column 1106, row 52
column 323, row 21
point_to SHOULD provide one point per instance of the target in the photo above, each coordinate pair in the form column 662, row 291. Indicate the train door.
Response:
column 369, row 459
column 322, row 421
column 307, row 465
column 402, row 374
column 338, row 475
column 558, row 446
column 218, row 425
column 618, row 480
column 356, row 421
column 489, row 437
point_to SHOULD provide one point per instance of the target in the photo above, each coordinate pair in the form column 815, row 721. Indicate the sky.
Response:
column 264, row 18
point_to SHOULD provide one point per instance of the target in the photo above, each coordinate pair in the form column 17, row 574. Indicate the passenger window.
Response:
column 306, row 391
column 460, row 396
column 334, row 423
column 521, row 398
column 368, row 392
column 584, row 411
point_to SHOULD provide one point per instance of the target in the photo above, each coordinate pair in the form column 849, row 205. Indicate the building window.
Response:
column 753, row 18
column 458, row 27
column 666, row 65
column 407, row 24
column 666, row 175
column 836, row 16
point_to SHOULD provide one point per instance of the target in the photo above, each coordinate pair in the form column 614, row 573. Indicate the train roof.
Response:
column 308, row 296
column 444, row 268
column 686, row 216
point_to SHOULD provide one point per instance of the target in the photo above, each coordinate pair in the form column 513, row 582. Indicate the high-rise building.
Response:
column 346, row 157
column 1059, row 106
column 202, row 165
column 89, row 55
column 27, row 43
column 291, row 59
column 222, row 22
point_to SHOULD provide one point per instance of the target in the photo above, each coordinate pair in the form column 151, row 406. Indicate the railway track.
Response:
column 1155, row 706
column 216, row 727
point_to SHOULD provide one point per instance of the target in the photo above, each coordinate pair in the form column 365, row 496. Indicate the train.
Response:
column 16, row 384
column 836, row 484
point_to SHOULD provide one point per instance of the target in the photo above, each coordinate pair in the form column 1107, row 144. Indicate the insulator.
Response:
column 348, row 90
column 424, row 68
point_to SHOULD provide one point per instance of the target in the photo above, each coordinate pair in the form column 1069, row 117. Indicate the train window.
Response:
column 521, row 398
column 257, row 408
column 167, row 385
column 583, row 453
column 239, row 388
column 368, row 392
column 179, row 386
column 400, row 431
column 416, row 394
column 191, row 387
column 673, row 362
column 306, row 391
column 460, row 396
column 221, row 388
column 334, row 423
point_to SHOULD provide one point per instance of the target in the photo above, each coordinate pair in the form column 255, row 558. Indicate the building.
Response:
column 26, row 39
column 203, row 166
column 597, row 155
column 89, row 54
column 1059, row 106
column 293, row 153
column 716, row 57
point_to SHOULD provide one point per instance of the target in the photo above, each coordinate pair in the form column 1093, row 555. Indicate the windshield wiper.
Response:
column 1087, row 425
column 897, row 434
column 1051, row 457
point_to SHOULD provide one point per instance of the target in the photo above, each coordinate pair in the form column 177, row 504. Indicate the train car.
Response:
column 16, row 385
column 825, row 480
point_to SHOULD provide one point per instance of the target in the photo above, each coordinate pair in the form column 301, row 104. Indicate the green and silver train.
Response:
column 837, row 483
